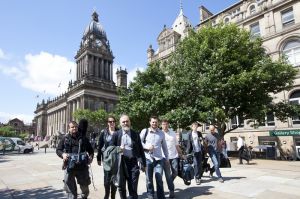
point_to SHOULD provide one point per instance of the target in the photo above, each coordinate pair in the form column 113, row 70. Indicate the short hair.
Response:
column 73, row 122
column 195, row 123
column 153, row 117
column 165, row 121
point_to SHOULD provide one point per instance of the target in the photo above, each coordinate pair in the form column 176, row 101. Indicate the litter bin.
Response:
column 270, row 152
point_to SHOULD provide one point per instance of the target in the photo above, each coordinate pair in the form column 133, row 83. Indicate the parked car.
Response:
column 16, row 144
column 7, row 144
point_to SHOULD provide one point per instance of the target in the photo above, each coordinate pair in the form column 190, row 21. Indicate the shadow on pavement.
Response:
column 38, row 193
column 188, row 193
column 191, row 192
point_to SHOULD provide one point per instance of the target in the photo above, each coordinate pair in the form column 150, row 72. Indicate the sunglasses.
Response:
column 111, row 122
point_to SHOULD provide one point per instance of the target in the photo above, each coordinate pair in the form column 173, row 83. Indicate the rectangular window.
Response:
column 270, row 119
column 255, row 30
column 237, row 122
column 287, row 17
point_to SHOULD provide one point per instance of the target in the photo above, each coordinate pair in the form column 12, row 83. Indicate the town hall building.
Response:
column 93, row 87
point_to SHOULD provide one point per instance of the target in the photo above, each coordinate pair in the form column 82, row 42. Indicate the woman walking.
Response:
column 105, row 140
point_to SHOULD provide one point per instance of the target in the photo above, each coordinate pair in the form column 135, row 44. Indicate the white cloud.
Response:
column 131, row 72
column 5, row 117
column 43, row 72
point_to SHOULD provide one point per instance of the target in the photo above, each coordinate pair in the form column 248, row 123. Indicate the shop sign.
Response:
column 285, row 132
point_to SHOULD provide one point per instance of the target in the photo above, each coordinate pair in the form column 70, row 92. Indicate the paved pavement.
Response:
column 39, row 176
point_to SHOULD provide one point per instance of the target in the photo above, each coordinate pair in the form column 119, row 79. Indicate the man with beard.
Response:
column 133, row 155
column 156, row 152
column 76, row 166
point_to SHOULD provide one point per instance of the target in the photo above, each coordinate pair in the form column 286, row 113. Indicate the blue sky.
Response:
column 39, row 39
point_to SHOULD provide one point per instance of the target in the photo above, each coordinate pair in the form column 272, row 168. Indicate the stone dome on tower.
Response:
column 95, row 28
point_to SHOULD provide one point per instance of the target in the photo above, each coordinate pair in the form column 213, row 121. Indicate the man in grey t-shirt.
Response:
column 212, row 140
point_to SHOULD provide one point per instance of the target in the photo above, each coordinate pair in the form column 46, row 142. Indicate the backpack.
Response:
column 146, row 133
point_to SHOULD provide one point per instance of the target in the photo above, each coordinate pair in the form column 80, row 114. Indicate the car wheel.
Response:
column 26, row 151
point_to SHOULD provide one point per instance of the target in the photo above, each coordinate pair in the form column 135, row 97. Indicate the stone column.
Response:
column 111, row 71
column 102, row 68
column 96, row 67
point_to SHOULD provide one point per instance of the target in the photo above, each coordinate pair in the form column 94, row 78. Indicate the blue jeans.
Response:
column 198, row 164
column 155, row 166
column 215, row 158
column 171, row 172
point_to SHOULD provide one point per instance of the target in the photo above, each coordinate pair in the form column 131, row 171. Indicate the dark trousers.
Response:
column 132, row 169
column 109, row 186
column 242, row 155
column 198, row 164
column 83, row 179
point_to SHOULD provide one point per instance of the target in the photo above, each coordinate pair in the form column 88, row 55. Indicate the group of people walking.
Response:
column 154, row 151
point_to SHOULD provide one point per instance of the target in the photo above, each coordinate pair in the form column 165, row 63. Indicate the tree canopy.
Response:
column 96, row 119
column 215, row 74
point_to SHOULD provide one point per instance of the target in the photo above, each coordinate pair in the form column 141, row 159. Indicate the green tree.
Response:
column 220, row 72
column 7, row 131
column 144, row 97
column 96, row 119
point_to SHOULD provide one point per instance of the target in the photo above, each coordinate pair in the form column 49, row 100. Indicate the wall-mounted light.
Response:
column 284, row 142
column 251, row 142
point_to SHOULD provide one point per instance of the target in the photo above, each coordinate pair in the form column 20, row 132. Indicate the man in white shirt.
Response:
column 171, row 170
column 241, row 147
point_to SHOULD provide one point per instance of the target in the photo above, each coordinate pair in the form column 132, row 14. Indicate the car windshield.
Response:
column 19, row 142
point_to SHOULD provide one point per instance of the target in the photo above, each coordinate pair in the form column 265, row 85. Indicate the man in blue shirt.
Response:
column 154, row 143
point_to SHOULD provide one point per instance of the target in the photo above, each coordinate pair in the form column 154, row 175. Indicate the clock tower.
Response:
column 94, row 58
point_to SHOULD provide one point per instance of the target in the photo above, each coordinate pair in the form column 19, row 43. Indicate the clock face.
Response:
column 98, row 42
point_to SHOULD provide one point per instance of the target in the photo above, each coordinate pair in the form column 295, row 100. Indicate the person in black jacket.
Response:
column 133, row 155
column 194, row 146
column 105, row 140
column 75, row 166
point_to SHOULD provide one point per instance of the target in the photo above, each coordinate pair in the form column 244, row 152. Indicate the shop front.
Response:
column 288, row 143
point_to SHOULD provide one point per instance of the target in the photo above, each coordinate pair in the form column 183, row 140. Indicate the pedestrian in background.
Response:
column 212, row 140
column 194, row 146
column 241, row 148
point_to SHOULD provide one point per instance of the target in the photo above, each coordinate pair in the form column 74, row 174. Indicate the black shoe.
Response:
column 198, row 181
column 171, row 194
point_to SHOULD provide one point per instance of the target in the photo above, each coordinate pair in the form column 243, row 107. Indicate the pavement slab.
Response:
column 39, row 176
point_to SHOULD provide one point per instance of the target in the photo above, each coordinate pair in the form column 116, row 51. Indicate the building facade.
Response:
column 277, row 22
column 93, row 88
column 169, row 38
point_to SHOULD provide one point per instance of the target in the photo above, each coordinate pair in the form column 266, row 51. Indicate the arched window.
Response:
column 226, row 20
column 295, row 99
column 252, row 9
column 292, row 51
